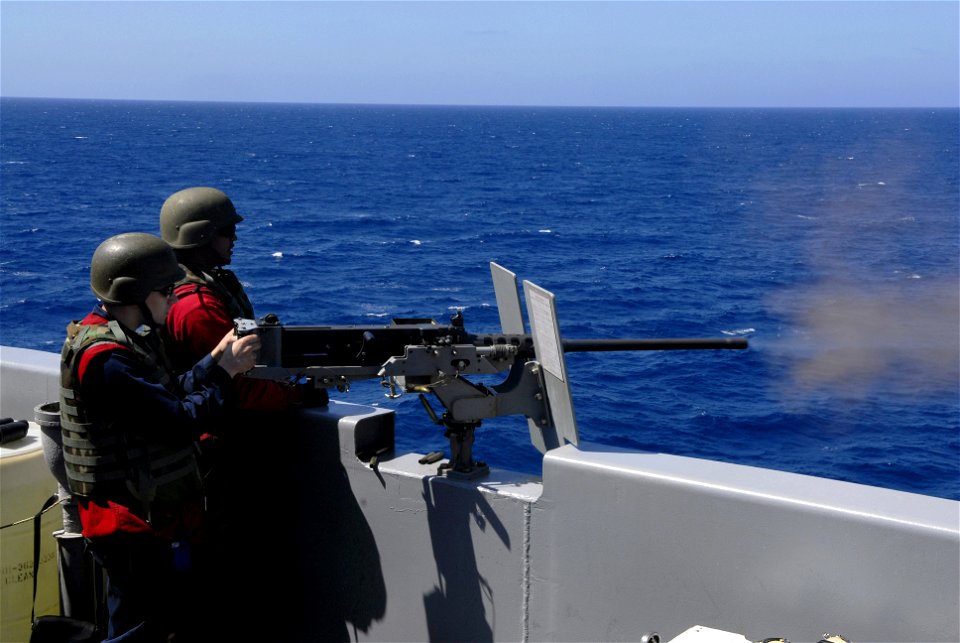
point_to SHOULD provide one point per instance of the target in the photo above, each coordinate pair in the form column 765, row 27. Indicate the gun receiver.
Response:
column 425, row 357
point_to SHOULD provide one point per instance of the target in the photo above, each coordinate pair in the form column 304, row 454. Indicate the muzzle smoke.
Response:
column 852, row 340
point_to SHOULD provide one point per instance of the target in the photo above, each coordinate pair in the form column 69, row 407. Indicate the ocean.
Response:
column 829, row 238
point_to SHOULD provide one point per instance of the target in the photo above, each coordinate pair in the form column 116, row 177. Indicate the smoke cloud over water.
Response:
column 879, row 314
column 852, row 341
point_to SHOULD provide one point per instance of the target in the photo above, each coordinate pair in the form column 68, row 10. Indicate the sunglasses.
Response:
column 227, row 231
column 166, row 291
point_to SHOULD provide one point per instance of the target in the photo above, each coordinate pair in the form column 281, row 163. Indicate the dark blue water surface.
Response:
column 828, row 238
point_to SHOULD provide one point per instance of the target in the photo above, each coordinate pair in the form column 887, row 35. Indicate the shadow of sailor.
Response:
column 306, row 566
column 341, row 584
column 462, row 606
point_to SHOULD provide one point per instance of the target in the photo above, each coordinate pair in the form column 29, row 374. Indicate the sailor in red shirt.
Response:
column 129, row 429
column 200, row 225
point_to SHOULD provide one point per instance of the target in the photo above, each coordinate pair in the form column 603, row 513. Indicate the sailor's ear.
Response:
column 125, row 289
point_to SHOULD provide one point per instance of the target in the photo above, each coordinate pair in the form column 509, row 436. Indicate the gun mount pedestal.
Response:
column 461, row 464
column 461, row 435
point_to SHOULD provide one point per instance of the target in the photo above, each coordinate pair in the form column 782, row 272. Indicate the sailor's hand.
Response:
column 237, row 355
column 228, row 339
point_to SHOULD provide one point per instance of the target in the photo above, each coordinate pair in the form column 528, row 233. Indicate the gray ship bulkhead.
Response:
column 610, row 545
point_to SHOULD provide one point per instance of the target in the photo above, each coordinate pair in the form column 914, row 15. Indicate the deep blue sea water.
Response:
column 828, row 238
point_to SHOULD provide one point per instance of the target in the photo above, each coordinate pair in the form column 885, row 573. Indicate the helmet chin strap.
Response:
column 122, row 315
column 204, row 258
column 148, row 316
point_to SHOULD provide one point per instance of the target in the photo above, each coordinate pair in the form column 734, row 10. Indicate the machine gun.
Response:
column 422, row 356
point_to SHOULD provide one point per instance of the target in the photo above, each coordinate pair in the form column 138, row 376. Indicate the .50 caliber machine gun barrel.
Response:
column 591, row 345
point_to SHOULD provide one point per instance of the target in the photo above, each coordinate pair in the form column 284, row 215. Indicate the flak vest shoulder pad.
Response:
column 225, row 286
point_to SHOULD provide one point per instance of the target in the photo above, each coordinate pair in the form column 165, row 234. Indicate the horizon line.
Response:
column 471, row 105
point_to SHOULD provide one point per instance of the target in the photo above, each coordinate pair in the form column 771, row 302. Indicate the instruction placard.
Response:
column 544, row 325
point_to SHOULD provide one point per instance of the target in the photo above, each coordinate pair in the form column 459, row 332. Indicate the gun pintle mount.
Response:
column 422, row 356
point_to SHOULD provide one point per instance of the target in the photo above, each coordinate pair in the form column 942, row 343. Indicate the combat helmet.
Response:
column 127, row 267
column 189, row 218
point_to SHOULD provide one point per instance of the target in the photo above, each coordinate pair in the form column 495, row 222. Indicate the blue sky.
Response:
column 792, row 54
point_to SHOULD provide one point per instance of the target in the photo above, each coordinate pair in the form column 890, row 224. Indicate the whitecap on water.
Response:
column 277, row 255
column 416, row 242
column 739, row 332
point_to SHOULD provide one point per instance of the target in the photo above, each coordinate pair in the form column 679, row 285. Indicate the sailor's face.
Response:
column 222, row 243
column 159, row 302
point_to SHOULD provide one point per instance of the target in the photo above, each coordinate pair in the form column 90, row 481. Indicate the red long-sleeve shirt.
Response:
column 196, row 324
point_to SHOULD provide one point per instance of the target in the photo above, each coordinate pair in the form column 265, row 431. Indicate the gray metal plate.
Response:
column 508, row 300
column 542, row 313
